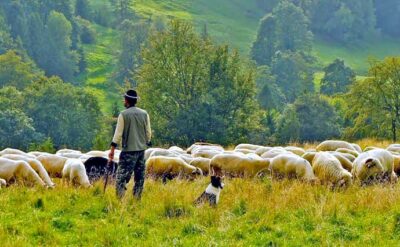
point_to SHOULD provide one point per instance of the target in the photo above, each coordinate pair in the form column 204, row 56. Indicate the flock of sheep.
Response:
column 332, row 162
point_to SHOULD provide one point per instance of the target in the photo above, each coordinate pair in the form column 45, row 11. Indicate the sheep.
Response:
column 96, row 167
column 163, row 152
column 35, row 164
column 332, row 145
column 74, row 172
column 239, row 165
column 37, row 153
column 396, row 164
column 348, row 151
column 292, row 166
column 260, row 151
column 53, row 164
column 170, row 167
column 11, row 169
column 97, row 153
column 70, row 155
column 177, row 150
column 296, row 150
column 245, row 151
column 15, row 151
column 203, row 145
column 202, row 163
column 374, row 164
column 344, row 161
column 274, row 152
column 357, row 147
column 248, row 146
column 3, row 183
column 369, row 148
column 327, row 168
column 206, row 153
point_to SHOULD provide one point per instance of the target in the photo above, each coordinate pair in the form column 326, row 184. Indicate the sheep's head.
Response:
column 346, row 179
column 373, row 166
column 197, row 172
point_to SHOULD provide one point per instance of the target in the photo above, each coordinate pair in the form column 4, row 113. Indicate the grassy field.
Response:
column 250, row 213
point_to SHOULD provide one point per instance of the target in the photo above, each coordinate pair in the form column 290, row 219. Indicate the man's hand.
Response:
column 111, row 154
column 149, row 144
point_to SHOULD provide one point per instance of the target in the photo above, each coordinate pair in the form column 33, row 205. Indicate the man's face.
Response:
column 126, row 104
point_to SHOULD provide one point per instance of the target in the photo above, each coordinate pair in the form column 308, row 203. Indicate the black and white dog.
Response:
column 97, row 167
column 211, row 194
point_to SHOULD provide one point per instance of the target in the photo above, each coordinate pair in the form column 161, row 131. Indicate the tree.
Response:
column 82, row 9
column 309, row 118
column 285, row 30
column 388, row 16
column 293, row 74
column 264, row 47
column 14, row 71
column 133, row 38
column 292, row 28
column 62, row 61
column 374, row 103
column 70, row 116
column 16, row 129
column 337, row 78
column 197, row 91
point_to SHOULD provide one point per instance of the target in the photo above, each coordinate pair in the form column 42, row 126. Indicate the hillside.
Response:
column 228, row 21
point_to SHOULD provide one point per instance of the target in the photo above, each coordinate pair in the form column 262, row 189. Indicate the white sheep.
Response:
column 274, row 152
column 260, row 151
column 70, row 155
column 357, row 147
column 177, row 150
column 206, row 153
column 68, row 151
column 161, row 166
column 15, row 151
column 203, row 145
column 327, row 169
column 296, row 150
column 53, row 164
column 74, row 172
column 97, row 153
column 292, row 166
column 238, row 165
column 248, row 146
column 374, row 164
column 345, row 162
column 245, row 151
column 332, row 145
column 35, row 164
column 10, row 169
column 3, row 183
column 37, row 153
column 202, row 163
column 347, row 151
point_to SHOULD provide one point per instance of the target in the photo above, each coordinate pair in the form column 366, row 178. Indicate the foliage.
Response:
column 374, row 102
column 285, row 30
column 44, row 146
column 293, row 73
column 309, row 118
column 14, row 71
column 195, row 90
column 68, row 115
column 16, row 129
column 337, row 78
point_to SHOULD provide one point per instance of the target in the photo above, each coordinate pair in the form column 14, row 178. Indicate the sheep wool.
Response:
column 238, row 165
column 328, row 169
column 292, row 166
column 35, row 164
column 10, row 169
column 332, row 145
column 159, row 166
column 74, row 172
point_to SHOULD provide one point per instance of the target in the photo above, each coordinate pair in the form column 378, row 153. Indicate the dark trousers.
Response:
column 130, row 162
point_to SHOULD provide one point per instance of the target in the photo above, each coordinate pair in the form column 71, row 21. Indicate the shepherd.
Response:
column 133, row 129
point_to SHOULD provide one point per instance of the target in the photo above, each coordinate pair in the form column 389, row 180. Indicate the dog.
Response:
column 211, row 194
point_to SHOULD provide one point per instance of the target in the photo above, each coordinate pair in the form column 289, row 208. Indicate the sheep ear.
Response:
column 368, row 160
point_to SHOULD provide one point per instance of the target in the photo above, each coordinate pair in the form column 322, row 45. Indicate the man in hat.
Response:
column 133, row 129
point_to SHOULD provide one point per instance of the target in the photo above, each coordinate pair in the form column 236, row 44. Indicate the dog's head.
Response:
column 216, row 182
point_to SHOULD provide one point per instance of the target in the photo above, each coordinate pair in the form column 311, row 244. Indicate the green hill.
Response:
column 234, row 22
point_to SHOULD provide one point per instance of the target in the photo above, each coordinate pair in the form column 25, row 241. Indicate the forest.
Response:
column 65, row 64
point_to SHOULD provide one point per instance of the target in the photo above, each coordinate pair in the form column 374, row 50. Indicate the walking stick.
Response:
column 106, row 175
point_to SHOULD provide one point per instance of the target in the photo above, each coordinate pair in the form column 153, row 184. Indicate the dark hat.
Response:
column 131, row 94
